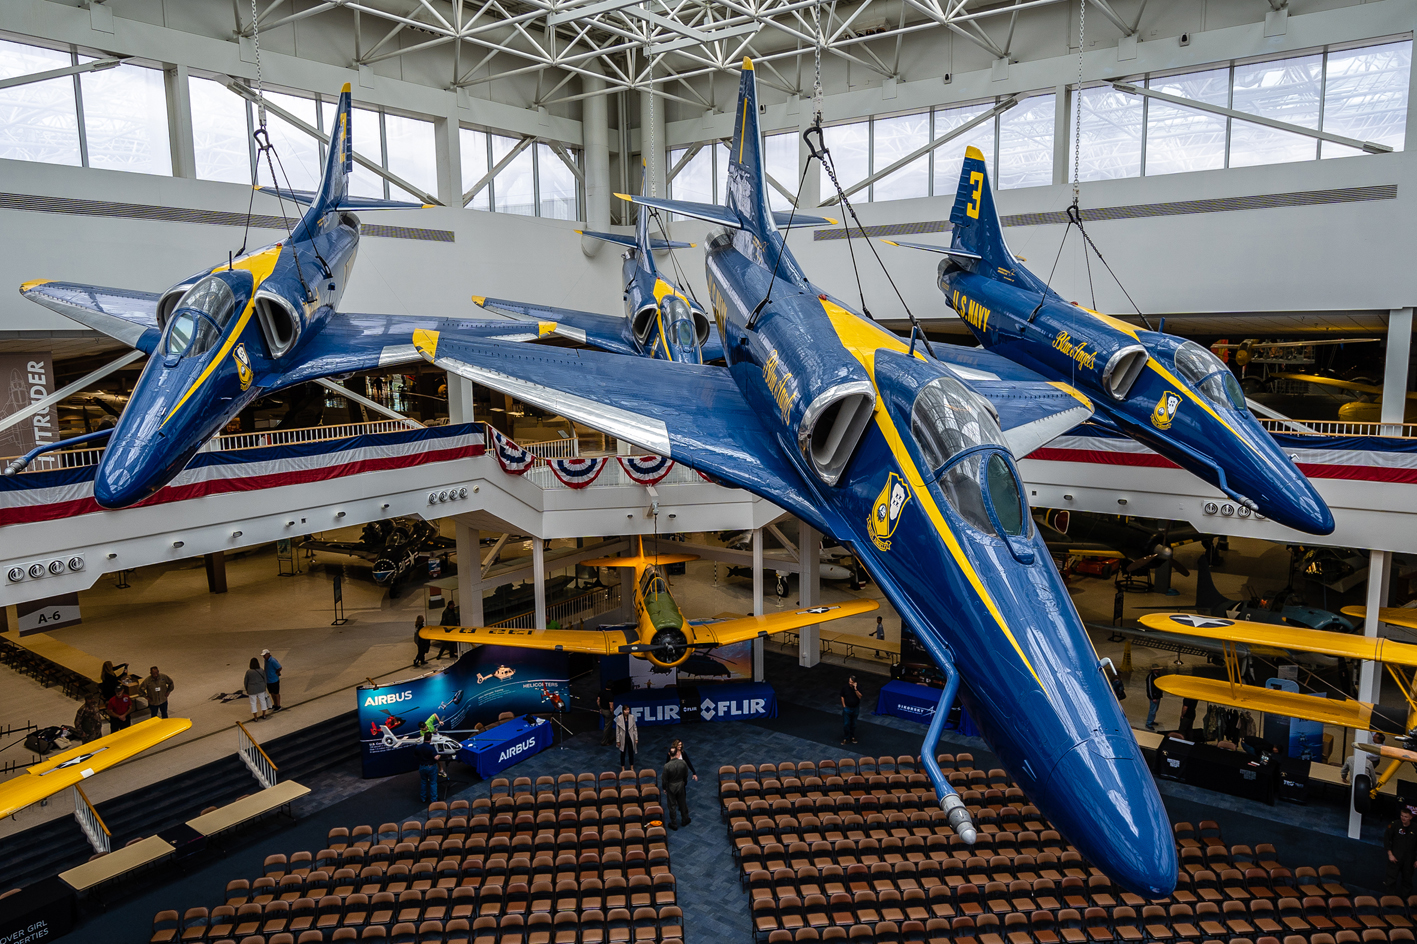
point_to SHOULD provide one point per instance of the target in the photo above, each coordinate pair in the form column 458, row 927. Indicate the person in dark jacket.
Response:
column 109, row 678
column 89, row 720
column 850, row 708
column 1188, row 718
column 1153, row 695
column 676, row 789
column 1400, row 842
column 255, row 686
column 605, row 703
column 428, row 763
column 451, row 617
column 678, row 745
column 423, row 644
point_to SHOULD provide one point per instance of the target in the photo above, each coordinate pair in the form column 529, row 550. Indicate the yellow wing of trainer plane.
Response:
column 660, row 632
column 77, row 764
column 1395, row 615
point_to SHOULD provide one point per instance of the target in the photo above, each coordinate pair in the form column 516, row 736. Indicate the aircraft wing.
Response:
column 597, row 642
column 1034, row 414
column 77, row 764
column 978, row 363
column 602, row 331
column 1345, row 713
column 351, row 342
column 1405, row 617
column 687, row 412
column 751, row 627
column 120, row 313
column 342, row 547
column 1276, row 636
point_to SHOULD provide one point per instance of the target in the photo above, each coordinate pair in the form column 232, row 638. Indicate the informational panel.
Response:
column 40, row 616
column 25, row 378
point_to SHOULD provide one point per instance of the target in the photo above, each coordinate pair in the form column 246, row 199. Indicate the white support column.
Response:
column 469, row 547
column 1368, row 685
column 179, row 123
column 809, row 584
column 448, row 145
column 1399, row 352
column 757, row 600
column 595, row 131
column 652, row 143
column 459, row 399
column 1062, row 136
column 538, row 576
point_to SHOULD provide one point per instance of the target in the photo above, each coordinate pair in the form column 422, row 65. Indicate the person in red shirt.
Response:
column 120, row 706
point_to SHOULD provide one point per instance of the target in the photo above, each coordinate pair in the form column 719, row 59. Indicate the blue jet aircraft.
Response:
column 878, row 444
column 225, row 337
column 1167, row 393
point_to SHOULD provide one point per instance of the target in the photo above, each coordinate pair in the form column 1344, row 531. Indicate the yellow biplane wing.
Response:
column 1284, row 637
column 1341, row 384
column 1348, row 714
column 627, row 639
column 77, row 764
column 1403, row 616
column 1389, row 752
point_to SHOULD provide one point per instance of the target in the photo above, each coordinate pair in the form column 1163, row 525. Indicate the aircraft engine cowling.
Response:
column 281, row 322
column 670, row 647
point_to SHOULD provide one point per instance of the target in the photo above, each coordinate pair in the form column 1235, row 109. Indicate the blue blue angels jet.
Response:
column 876, row 443
column 227, row 336
column 1165, row 392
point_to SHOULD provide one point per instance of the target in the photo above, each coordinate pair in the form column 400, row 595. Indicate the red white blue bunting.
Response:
column 646, row 470
column 513, row 459
column 576, row 473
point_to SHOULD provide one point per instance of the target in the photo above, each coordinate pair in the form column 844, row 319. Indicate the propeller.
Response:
column 1161, row 552
column 669, row 647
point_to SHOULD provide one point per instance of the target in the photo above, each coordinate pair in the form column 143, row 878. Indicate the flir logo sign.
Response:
column 732, row 708
column 376, row 701
column 655, row 714
column 516, row 749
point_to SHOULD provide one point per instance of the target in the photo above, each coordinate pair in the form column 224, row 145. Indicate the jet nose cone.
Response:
column 1112, row 812
column 1302, row 508
column 123, row 477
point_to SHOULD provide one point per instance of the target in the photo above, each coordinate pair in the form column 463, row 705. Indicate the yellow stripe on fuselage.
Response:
column 862, row 339
column 260, row 264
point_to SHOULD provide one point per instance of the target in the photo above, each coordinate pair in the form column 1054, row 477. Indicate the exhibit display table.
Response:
column 500, row 747
column 917, row 703
column 729, row 701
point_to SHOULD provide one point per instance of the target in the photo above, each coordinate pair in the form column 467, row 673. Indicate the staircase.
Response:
column 60, row 844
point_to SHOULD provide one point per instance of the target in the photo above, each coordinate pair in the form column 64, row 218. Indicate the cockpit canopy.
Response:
column 1208, row 374
column 199, row 318
column 679, row 321
column 947, row 418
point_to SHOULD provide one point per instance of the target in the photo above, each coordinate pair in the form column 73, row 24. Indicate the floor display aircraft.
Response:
column 1399, row 658
column 660, row 632
column 392, row 546
column 77, row 764
column 226, row 336
column 1369, row 409
column 1169, row 394
column 868, row 438
column 1144, row 546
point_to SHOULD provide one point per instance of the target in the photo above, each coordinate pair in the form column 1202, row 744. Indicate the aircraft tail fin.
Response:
column 339, row 158
column 1208, row 598
column 978, row 229
column 747, row 172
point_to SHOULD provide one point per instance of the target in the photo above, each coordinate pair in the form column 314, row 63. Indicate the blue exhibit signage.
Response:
column 512, row 741
column 733, row 701
column 478, row 687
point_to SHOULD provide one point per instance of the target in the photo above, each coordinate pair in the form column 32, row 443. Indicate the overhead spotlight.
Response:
column 672, row 516
column 385, row 505
column 178, row 543
column 1067, row 498
column 476, row 489
column 290, row 524
column 1121, row 501
column 236, row 534
column 339, row 514
column 112, row 556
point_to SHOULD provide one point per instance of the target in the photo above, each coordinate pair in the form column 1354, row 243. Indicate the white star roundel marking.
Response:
column 1201, row 622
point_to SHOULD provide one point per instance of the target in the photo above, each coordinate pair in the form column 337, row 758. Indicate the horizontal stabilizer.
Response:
column 1034, row 414
column 709, row 212
column 585, row 327
column 783, row 220
column 657, row 245
column 1284, row 637
column 308, row 197
column 124, row 315
column 943, row 250
column 1344, row 713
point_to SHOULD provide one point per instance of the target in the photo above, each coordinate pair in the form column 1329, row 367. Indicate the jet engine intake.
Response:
column 642, row 322
column 1122, row 370
column 280, row 322
column 168, row 303
column 833, row 424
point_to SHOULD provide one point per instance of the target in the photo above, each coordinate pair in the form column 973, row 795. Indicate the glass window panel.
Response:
column 1365, row 96
column 720, row 171
column 780, row 156
column 220, row 138
column 1286, row 89
column 893, row 139
column 413, row 154
column 125, row 120
column 695, row 181
column 515, row 184
column 949, row 158
column 363, row 182
column 38, row 122
column 1183, row 139
column 1026, row 143
column 299, row 152
column 851, row 153
column 556, row 185
column 473, row 147
column 1110, row 127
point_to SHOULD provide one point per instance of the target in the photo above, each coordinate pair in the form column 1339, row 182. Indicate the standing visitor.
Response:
column 850, row 709
column 627, row 737
column 676, row 784
column 1153, row 695
column 255, row 686
column 120, row 706
column 423, row 644
column 272, row 678
column 156, row 688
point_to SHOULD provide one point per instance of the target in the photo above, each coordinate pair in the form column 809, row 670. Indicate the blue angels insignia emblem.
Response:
column 1165, row 410
column 244, row 373
column 885, row 513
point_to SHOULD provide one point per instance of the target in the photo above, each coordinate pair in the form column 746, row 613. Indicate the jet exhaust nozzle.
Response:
column 15, row 466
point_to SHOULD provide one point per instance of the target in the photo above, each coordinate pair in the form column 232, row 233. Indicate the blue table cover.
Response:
column 737, row 701
column 917, row 703
column 504, row 745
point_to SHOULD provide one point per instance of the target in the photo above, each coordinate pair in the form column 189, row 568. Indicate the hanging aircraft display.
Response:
column 877, row 443
column 1167, row 393
column 392, row 546
column 226, row 336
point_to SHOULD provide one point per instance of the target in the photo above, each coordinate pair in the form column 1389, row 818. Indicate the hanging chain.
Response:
column 260, row 95
column 817, row 57
column 1077, row 111
column 655, row 160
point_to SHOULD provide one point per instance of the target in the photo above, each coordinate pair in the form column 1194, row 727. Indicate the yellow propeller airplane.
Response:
column 660, row 632
column 1367, row 410
column 1344, row 712
column 77, row 764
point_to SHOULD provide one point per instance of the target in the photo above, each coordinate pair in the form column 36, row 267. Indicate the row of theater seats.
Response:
column 938, row 931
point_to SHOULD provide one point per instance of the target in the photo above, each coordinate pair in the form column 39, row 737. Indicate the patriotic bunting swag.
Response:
column 576, row 473
column 513, row 458
column 646, row 470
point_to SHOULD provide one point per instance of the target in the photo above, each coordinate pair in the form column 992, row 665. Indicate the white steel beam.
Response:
column 98, row 65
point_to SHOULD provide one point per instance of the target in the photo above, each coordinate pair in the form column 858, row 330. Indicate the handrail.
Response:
column 1339, row 428
column 264, row 770
column 256, row 744
column 88, row 818
column 565, row 608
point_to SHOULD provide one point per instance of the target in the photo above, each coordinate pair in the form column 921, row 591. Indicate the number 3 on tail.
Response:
column 976, row 180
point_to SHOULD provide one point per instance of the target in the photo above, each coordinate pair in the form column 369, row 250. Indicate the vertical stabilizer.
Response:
column 977, row 228
column 747, row 179
column 339, row 159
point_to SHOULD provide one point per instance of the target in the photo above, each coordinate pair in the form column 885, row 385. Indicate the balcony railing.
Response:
column 1339, row 428
column 251, row 754
column 597, row 601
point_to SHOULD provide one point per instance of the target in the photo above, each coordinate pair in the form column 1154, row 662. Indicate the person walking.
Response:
column 1188, row 718
column 605, row 702
column 428, row 764
column 120, row 706
column 272, row 679
column 255, row 687
column 1400, row 843
column 678, row 745
column 880, row 628
column 676, row 788
column 1153, row 695
column 423, row 644
column 850, row 709
column 88, row 721
column 627, row 737
column 156, row 688
column 451, row 616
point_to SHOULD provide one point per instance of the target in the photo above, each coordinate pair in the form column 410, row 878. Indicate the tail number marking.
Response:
column 976, row 180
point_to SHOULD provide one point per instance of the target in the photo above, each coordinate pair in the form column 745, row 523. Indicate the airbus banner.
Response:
column 481, row 685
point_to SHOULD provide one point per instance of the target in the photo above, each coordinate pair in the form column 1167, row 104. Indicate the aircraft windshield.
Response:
column 947, row 419
column 678, row 322
column 1208, row 374
column 981, row 481
column 201, row 315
